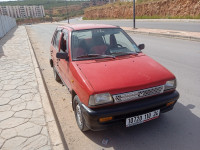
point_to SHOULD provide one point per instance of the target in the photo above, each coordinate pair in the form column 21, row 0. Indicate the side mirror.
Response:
column 62, row 55
column 141, row 46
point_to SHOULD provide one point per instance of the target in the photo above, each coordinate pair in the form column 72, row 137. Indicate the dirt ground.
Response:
column 119, row 138
column 61, row 99
column 177, row 129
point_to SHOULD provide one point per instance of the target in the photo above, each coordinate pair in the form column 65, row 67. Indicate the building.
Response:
column 4, row 10
column 23, row 11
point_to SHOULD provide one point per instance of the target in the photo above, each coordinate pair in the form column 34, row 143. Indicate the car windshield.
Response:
column 101, row 43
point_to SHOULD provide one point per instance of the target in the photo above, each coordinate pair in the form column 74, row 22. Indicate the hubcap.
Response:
column 78, row 115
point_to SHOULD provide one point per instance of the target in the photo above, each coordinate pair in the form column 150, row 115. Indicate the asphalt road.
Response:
column 168, row 25
column 175, row 130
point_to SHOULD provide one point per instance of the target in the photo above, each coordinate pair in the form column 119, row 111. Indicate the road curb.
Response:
column 53, row 130
column 167, row 34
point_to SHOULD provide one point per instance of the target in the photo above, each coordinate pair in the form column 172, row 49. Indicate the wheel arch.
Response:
column 51, row 62
column 73, row 93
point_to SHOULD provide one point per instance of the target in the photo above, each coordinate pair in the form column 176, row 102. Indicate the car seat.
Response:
column 100, row 47
column 81, row 50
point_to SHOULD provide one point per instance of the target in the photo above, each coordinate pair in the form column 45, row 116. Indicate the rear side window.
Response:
column 57, row 39
column 54, row 38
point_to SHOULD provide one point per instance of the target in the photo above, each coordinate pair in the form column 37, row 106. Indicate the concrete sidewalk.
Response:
column 26, row 118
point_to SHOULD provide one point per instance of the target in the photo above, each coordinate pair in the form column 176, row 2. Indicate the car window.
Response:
column 122, row 41
column 107, row 39
column 83, row 34
column 54, row 37
column 57, row 40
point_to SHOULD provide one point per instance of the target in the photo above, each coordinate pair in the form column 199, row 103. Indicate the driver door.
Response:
column 63, row 65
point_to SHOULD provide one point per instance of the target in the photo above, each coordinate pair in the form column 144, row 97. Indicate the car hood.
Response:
column 124, row 74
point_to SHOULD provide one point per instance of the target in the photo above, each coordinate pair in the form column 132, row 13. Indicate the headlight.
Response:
column 99, row 99
column 170, row 85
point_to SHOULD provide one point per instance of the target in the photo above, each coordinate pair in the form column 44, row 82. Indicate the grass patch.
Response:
column 84, row 18
column 168, row 17
column 145, row 1
column 147, row 17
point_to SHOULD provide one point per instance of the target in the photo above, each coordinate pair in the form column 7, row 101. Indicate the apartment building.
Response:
column 23, row 11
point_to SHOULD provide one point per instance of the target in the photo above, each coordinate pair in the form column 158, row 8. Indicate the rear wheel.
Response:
column 56, row 76
column 79, row 116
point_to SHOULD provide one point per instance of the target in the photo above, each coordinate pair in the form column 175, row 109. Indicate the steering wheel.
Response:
column 119, row 45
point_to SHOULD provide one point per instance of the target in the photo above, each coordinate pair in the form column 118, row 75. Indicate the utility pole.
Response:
column 67, row 13
column 134, row 14
column 50, row 10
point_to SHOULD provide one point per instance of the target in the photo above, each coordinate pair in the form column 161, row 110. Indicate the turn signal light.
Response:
column 170, row 103
column 105, row 119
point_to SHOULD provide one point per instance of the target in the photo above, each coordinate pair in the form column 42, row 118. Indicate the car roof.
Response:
column 86, row 26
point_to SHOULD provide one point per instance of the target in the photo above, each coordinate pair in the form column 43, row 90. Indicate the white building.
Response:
column 23, row 11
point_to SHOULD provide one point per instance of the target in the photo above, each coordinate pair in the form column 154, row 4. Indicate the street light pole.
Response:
column 134, row 14
column 67, row 13
column 50, row 11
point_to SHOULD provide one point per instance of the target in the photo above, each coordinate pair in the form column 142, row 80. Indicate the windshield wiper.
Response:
column 125, row 53
column 107, row 56
column 96, row 55
column 89, row 55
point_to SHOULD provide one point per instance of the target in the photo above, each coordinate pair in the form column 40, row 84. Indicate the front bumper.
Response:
column 122, row 111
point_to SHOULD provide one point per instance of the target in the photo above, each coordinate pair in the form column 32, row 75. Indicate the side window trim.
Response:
column 55, row 38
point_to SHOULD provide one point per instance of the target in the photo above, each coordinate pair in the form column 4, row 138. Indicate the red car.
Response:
column 110, row 79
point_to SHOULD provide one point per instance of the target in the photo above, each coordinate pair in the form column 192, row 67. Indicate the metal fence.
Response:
column 6, row 23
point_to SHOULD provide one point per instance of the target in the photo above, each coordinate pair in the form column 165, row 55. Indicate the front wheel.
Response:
column 79, row 116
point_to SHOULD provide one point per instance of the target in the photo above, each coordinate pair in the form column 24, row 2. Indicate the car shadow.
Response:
column 5, row 39
column 177, row 129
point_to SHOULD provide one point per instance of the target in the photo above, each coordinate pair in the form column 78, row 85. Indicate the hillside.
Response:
column 146, row 9
column 54, row 8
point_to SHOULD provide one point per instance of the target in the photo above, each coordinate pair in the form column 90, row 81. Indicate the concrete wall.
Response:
column 6, row 23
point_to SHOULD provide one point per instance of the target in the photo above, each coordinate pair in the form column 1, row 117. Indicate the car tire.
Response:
column 79, row 116
column 56, row 76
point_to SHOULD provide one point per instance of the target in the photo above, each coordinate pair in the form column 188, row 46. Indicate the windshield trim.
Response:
column 93, row 58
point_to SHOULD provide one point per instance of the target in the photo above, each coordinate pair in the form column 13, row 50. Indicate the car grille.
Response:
column 130, row 96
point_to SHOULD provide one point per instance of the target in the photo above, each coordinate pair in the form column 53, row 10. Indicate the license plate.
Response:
column 142, row 118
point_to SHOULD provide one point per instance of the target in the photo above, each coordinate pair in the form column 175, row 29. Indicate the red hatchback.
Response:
column 110, row 79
